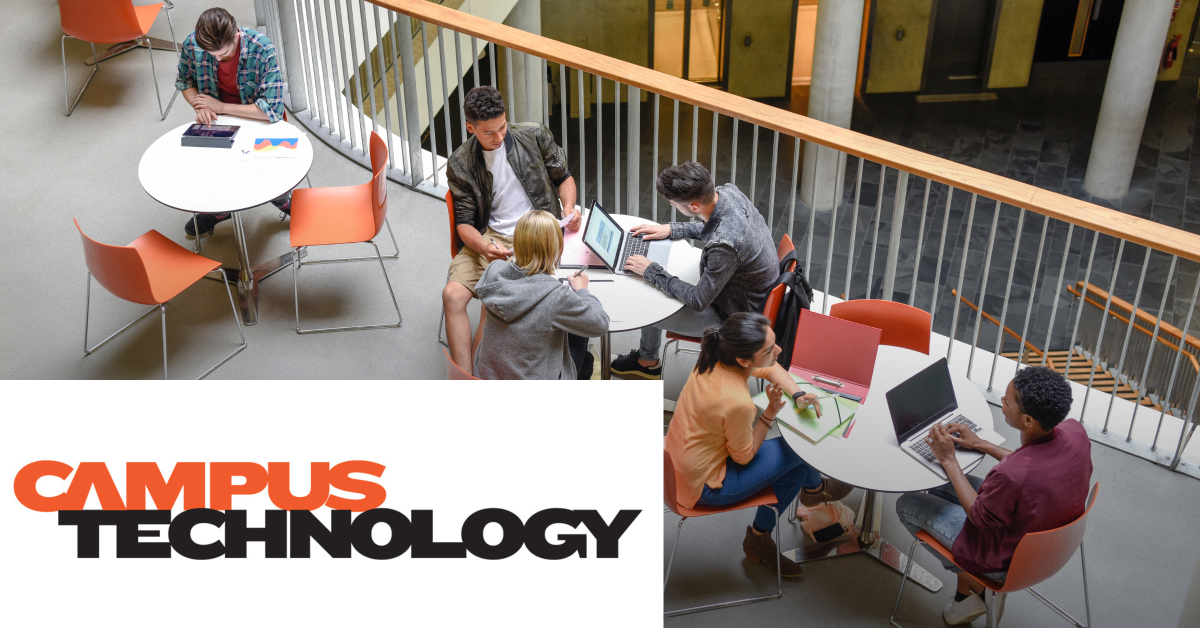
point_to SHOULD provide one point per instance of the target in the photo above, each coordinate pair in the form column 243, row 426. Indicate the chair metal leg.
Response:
column 762, row 598
column 671, row 559
column 154, row 79
column 237, row 320
column 441, row 327
column 296, row 295
column 163, row 312
column 903, row 579
column 66, row 95
column 1087, row 603
column 87, row 307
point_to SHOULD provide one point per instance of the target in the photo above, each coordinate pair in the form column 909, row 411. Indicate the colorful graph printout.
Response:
column 270, row 144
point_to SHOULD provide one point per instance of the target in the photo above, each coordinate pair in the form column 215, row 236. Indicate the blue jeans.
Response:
column 775, row 465
column 939, row 513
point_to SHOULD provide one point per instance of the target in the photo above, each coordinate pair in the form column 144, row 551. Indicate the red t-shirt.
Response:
column 227, row 80
column 1041, row 486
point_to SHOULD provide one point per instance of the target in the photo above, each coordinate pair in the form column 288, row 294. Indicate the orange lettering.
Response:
column 186, row 478
column 280, row 486
column 223, row 489
column 25, row 485
column 373, row 494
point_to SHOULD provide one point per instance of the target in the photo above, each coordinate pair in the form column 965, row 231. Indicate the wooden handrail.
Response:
column 1172, row 346
column 995, row 322
column 1081, row 213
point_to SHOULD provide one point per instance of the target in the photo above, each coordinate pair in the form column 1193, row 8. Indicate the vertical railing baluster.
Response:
column 474, row 62
column 633, row 151
column 962, row 272
column 937, row 275
column 875, row 237
column 582, row 138
column 429, row 103
column 313, row 82
column 1062, row 269
column 1112, row 286
column 1137, row 403
column 387, row 115
column 544, row 68
column 674, row 144
column 654, row 168
column 495, row 78
column 912, row 289
column 754, row 166
column 712, row 163
column 362, row 22
column 1037, row 264
column 734, row 152
column 793, row 184
column 853, row 224
column 1188, row 420
column 895, row 231
column 1137, row 300
column 599, row 139
column 511, row 96
column 441, row 40
column 771, row 180
column 563, row 73
column 462, row 91
column 695, row 131
column 1012, row 267
column 987, row 267
column 410, row 103
column 350, row 90
column 401, row 118
column 1087, row 281
column 1187, row 327
column 825, row 287
column 331, row 53
column 617, row 147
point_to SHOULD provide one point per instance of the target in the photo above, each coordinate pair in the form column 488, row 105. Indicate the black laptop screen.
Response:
column 920, row 399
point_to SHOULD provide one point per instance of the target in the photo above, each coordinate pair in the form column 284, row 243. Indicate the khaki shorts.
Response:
column 468, row 266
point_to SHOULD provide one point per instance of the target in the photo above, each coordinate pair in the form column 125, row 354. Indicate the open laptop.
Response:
column 923, row 400
column 613, row 244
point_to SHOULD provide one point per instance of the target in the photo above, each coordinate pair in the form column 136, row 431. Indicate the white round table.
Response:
column 219, row 180
column 630, row 301
column 871, row 458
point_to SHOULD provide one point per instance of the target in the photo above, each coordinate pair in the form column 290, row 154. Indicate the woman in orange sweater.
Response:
column 717, row 437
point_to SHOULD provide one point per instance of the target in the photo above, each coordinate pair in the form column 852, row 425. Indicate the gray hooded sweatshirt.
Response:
column 528, row 319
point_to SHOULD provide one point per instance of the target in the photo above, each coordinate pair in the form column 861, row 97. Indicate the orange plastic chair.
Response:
column 111, row 22
column 455, row 246
column 342, row 215
column 152, row 270
column 785, row 247
column 1038, row 556
column 902, row 325
column 765, row 497
column 454, row 371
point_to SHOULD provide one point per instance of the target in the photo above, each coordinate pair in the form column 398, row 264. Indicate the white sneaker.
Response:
column 964, row 612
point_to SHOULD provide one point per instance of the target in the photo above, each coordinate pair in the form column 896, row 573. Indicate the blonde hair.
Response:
column 537, row 242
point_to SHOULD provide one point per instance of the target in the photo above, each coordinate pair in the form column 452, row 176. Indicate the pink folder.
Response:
column 837, row 350
column 575, row 252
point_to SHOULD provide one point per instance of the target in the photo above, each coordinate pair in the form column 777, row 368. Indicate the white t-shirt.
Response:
column 510, row 201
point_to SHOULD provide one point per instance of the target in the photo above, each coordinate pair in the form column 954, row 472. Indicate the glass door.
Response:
column 688, row 38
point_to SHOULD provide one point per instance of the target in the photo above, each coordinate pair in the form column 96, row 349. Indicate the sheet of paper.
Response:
column 268, row 148
column 836, row 413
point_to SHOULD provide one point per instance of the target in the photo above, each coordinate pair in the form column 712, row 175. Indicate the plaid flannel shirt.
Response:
column 258, row 77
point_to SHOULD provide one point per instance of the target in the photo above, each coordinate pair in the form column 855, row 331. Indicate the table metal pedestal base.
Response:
column 247, row 278
column 126, row 46
column 867, row 542
column 606, row 356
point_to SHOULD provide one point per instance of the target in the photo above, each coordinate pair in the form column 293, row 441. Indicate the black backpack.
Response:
column 797, row 296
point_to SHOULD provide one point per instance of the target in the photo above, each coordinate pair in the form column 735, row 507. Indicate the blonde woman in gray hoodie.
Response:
column 529, row 312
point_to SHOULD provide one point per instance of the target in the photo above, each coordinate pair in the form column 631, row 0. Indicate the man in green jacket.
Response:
column 501, row 172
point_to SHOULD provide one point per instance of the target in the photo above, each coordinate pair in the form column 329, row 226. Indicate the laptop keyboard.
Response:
column 921, row 448
column 635, row 246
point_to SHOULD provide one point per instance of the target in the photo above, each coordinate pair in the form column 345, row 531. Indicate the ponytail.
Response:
column 740, row 336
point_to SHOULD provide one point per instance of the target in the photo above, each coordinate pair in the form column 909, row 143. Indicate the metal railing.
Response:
column 940, row 221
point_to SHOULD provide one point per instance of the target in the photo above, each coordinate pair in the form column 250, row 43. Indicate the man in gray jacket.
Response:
column 738, row 266
column 528, row 319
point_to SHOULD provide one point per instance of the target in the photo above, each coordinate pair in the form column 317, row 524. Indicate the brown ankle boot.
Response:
column 762, row 549
column 830, row 490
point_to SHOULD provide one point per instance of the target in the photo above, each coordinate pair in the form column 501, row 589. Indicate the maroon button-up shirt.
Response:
column 1041, row 486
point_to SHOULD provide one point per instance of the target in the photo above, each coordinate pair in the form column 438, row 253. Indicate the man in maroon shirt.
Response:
column 1041, row 486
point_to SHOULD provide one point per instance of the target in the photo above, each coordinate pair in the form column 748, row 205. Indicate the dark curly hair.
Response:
column 483, row 103
column 1042, row 394
column 741, row 336
column 689, row 181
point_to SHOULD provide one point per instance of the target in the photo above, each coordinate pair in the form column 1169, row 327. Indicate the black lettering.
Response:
column 607, row 534
column 540, row 522
column 401, row 533
column 180, row 533
column 510, row 543
column 423, row 544
column 335, row 540
column 129, row 544
column 273, row 535
column 87, row 528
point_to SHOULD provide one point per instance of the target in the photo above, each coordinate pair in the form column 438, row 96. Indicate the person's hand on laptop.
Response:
column 651, row 231
column 966, row 438
column 941, row 443
column 637, row 264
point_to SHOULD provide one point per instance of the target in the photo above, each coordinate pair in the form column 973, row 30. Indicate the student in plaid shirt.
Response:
column 226, row 70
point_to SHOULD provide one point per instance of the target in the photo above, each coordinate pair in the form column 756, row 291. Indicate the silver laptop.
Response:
column 613, row 245
column 920, row 402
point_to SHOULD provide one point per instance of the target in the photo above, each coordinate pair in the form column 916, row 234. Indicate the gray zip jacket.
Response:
column 528, row 319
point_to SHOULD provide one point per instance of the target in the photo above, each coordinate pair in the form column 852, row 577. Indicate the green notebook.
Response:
column 836, row 413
